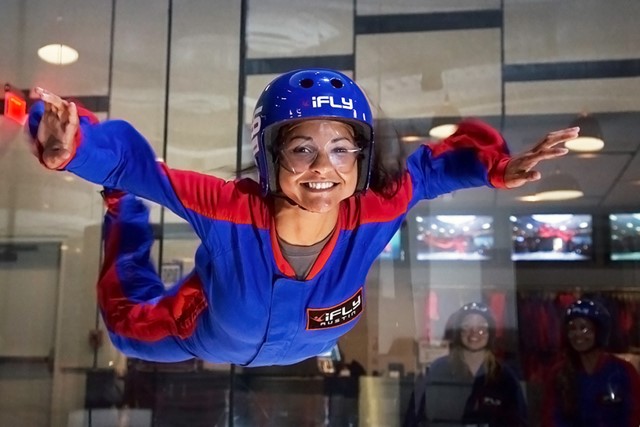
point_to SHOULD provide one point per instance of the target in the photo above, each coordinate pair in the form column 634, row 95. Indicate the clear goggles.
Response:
column 299, row 155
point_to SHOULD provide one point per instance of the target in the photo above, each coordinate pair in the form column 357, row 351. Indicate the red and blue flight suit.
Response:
column 242, row 303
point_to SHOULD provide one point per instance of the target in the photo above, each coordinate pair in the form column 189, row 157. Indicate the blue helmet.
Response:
column 309, row 94
column 595, row 312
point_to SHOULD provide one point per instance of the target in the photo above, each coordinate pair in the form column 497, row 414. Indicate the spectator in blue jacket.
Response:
column 591, row 387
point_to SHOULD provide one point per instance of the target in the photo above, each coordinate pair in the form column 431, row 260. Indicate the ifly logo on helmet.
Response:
column 319, row 101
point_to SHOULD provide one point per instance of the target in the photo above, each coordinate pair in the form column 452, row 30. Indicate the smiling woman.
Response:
column 321, row 212
column 469, row 386
column 590, row 386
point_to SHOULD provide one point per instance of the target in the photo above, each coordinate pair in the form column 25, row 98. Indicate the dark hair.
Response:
column 566, row 381
column 389, row 158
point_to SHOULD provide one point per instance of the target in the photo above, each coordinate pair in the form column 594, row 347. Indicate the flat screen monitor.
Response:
column 551, row 237
column 454, row 237
column 625, row 236
column 393, row 250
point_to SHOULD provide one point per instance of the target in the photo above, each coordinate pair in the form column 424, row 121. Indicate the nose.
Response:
column 322, row 162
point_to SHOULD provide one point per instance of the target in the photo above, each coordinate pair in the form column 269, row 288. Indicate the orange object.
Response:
column 15, row 107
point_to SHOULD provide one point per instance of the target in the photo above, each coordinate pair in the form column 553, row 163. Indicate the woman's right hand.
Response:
column 57, row 129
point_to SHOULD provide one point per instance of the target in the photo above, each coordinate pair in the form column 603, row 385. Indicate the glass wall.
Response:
column 187, row 75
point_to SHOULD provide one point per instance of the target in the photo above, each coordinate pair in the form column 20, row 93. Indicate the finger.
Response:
column 555, row 138
column 531, row 159
column 51, row 98
column 72, row 125
column 43, row 131
column 532, row 176
column 63, row 114
column 521, row 178
column 566, row 130
column 549, row 153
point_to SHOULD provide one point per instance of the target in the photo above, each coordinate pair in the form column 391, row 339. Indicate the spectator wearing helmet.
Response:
column 469, row 386
column 590, row 386
column 279, row 275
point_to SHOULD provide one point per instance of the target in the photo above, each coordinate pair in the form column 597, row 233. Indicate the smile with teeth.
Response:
column 322, row 185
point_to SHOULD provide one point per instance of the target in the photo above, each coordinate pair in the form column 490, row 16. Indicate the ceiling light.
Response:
column 442, row 131
column 590, row 138
column 445, row 120
column 58, row 54
column 558, row 186
column 412, row 138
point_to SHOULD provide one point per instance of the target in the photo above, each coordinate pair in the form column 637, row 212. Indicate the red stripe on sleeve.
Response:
column 491, row 149
column 174, row 315
column 234, row 201
column 171, row 316
column 374, row 207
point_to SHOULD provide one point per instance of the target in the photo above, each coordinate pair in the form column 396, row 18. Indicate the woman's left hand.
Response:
column 520, row 169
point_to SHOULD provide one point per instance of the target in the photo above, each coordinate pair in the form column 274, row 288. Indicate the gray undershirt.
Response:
column 301, row 258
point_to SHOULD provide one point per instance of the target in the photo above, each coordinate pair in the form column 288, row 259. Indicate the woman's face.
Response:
column 474, row 332
column 318, row 164
column 581, row 333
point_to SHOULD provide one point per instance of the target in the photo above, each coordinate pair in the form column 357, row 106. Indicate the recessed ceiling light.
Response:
column 558, row 186
column 58, row 54
column 443, row 131
column 529, row 198
column 412, row 138
column 585, row 144
column 590, row 137
column 552, row 195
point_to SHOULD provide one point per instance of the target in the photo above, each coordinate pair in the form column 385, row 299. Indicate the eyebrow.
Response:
column 308, row 138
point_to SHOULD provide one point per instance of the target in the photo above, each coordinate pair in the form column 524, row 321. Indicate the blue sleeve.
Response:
column 476, row 155
column 114, row 154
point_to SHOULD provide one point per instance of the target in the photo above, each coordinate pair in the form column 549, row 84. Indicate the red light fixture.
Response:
column 15, row 106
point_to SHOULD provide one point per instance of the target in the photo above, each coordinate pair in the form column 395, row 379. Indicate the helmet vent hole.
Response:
column 337, row 83
column 306, row 83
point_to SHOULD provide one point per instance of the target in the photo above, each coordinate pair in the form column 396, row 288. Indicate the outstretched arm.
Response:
column 115, row 155
column 477, row 155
